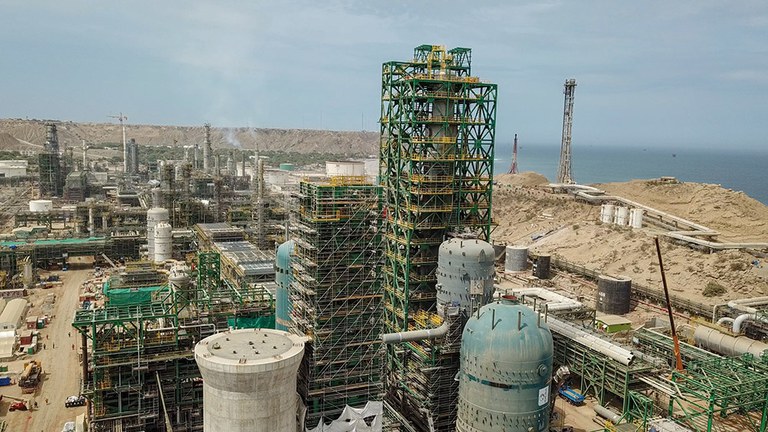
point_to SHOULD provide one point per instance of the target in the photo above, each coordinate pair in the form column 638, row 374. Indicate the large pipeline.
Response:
column 415, row 335
column 727, row 345
column 621, row 355
column 739, row 321
column 745, row 305
column 555, row 301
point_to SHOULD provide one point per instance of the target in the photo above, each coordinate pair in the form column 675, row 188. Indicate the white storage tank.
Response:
column 249, row 380
column 344, row 168
column 622, row 216
column 40, row 206
column 636, row 218
column 163, row 242
column 155, row 215
column 606, row 213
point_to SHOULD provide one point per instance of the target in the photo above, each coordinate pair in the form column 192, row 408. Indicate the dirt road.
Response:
column 59, row 360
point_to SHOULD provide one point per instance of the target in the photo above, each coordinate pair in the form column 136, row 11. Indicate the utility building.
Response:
column 436, row 169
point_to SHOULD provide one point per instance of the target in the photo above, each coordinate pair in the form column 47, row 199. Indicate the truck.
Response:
column 30, row 377
column 18, row 404
column 571, row 395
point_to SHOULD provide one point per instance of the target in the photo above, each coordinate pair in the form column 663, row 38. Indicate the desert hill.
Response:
column 524, row 209
column 32, row 133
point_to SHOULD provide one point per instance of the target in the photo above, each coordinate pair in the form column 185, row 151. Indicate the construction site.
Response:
column 218, row 293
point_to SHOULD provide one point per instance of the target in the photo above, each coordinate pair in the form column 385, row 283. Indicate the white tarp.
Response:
column 352, row 420
column 7, row 344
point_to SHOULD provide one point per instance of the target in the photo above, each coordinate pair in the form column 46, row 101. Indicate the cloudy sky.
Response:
column 650, row 73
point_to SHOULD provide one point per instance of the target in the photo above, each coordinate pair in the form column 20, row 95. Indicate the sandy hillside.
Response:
column 352, row 143
column 734, row 214
column 571, row 230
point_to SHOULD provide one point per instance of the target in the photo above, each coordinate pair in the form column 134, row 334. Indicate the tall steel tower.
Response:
column 513, row 167
column 207, row 150
column 126, row 156
column 564, row 174
column 49, row 163
column 438, row 127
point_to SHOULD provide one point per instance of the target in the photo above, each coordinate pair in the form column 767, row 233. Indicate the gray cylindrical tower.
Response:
column 516, row 258
column 207, row 150
column 249, row 380
column 506, row 370
column 465, row 273
column 283, row 277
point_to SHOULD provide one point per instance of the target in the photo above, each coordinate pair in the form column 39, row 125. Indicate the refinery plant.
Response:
column 227, row 295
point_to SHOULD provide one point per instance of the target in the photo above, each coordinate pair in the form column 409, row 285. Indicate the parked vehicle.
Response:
column 18, row 406
column 74, row 401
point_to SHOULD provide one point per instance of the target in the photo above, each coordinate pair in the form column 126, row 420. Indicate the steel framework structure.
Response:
column 598, row 374
column 564, row 174
column 139, row 370
column 335, row 297
column 720, row 387
column 436, row 168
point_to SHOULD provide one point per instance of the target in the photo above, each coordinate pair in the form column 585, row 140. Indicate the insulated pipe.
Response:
column 555, row 301
column 415, row 335
column 607, row 414
column 616, row 352
column 725, row 320
column 745, row 305
column 748, row 316
column 727, row 345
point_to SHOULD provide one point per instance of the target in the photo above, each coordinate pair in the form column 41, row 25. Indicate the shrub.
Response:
column 738, row 266
column 713, row 289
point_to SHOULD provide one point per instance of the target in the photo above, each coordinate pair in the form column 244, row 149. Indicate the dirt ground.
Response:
column 528, row 214
column 59, row 360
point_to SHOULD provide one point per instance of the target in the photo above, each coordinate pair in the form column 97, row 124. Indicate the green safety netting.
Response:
column 252, row 322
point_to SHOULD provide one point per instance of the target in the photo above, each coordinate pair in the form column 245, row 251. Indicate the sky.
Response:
column 651, row 73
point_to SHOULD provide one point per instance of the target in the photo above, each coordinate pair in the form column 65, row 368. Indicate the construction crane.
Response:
column 513, row 167
column 564, row 174
column 121, row 118
column 675, row 339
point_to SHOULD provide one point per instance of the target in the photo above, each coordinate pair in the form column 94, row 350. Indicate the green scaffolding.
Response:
column 436, row 169
column 336, row 300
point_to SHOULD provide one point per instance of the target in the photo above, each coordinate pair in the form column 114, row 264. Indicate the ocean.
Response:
column 743, row 170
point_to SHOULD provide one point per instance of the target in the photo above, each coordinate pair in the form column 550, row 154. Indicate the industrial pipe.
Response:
column 616, row 352
column 737, row 323
column 725, row 320
column 727, row 345
column 555, row 301
column 607, row 414
column 415, row 335
column 745, row 305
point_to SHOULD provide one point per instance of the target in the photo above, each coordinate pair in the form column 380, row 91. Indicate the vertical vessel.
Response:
column 506, row 370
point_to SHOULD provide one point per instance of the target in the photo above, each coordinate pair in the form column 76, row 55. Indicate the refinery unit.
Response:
column 229, row 298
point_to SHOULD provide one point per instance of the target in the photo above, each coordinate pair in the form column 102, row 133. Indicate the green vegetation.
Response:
column 713, row 289
column 738, row 266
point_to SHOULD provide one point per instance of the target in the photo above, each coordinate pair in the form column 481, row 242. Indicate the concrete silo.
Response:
column 249, row 380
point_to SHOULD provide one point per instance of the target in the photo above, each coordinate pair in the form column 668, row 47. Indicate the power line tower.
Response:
column 564, row 170
column 513, row 167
